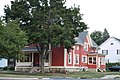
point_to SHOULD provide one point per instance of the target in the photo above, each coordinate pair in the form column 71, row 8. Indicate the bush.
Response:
column 5, row 68
column 8, row 68
column 11, row 68
column 111, row 64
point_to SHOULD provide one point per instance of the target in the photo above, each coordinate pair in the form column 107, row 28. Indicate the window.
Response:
column 77, row 58
column 105, row 52
column 77, row 47
column 84, row 59
column 86, row 46
column 111, row 44
column 118, row 51
column 92, row 60
column 69, row 58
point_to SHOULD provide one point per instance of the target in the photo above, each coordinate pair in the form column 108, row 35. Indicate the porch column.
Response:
column 32, row 58
column 65, row 54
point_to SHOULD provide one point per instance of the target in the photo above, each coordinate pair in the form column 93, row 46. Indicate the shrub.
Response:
column 11, row 68
column 5, row 68
column 111, row 64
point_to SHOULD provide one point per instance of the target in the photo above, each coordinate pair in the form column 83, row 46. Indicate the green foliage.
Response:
column 111, row 64
column 12, row 39
column 105, row 35
column 99, row 37
column 46, row 22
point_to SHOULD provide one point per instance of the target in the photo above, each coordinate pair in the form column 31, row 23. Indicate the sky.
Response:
column 98, row 14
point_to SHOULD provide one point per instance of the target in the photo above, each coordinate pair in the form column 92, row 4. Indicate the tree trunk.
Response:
column 42, row 53
column 42, row 63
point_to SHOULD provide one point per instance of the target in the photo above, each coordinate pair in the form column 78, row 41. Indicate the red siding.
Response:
column 102, row 66
column 92, row 66
column 58, row 56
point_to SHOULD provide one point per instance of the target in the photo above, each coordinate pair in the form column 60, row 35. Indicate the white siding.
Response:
column 112, row 49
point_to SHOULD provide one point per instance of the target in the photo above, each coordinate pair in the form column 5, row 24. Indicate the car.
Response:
column 114, row 68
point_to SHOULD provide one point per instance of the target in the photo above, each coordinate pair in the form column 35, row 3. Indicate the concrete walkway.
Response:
column 9, row 78
column 111, row 77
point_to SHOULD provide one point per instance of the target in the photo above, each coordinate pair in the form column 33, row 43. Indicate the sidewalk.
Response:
column 9, row 78
column 111, row 77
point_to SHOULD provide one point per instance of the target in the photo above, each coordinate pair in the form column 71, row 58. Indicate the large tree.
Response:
column 105, row 35
column 12, row 40
column 47, row 22
column 99, row 37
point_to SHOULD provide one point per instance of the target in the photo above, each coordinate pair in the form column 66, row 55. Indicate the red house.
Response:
column 83, row 56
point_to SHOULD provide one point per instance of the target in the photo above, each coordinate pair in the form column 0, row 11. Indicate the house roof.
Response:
column 81, row 39
column 116, row 38
column 30, row 48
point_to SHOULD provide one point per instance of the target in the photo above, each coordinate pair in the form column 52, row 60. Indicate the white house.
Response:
column 111, row 48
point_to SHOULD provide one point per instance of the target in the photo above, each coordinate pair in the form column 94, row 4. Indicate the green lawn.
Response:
column 73, row 74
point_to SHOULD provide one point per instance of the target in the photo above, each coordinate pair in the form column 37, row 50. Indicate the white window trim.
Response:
column 70, row 57
column 85, row 59
column 105, row 51
column 92, row 60
column 77, row 58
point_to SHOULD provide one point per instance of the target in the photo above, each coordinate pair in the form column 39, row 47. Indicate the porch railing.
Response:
column 24, row 64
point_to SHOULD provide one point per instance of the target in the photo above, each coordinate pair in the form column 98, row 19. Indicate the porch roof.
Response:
column 96, row 54
column 30, row 49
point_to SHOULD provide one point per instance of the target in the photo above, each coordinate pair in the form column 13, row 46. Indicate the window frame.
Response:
column 118, row 51
column 76, row 58
column 84, row 59
column 92, row 61
column 105, row 52
column 69, row 58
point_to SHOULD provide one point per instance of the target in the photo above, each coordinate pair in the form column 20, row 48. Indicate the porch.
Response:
column 30, row 59
column 29, row 67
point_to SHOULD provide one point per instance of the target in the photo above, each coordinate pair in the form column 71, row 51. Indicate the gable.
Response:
column 110, row 43
column 85, row 37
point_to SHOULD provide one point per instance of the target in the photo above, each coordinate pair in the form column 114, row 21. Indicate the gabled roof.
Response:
column 81, row 39
column 116, row 38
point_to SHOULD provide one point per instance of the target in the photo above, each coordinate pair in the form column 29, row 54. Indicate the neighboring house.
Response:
column 83, row 56
column 111, row 48
column 3, row 62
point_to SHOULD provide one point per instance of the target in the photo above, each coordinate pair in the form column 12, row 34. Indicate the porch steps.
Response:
column 35, row 69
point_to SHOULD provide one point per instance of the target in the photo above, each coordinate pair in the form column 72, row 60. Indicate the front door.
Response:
column 36, row 61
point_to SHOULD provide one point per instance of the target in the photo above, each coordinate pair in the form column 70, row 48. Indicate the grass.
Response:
column 73, row 74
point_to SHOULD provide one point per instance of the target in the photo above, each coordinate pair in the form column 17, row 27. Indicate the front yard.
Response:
column 57, row 75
